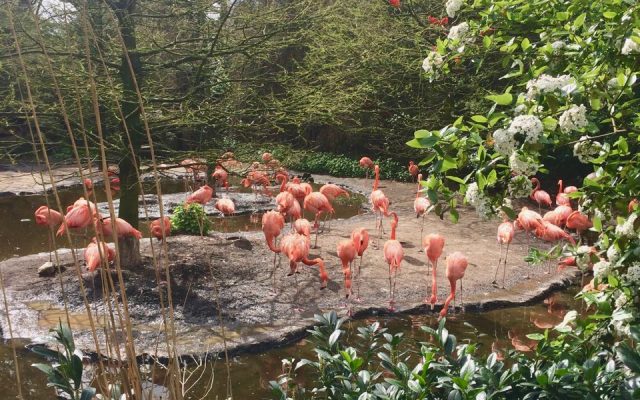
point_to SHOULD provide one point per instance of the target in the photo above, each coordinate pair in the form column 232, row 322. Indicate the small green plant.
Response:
column 191, row 219
column 64, row 371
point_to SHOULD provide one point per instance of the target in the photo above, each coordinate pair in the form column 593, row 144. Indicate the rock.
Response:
column 47, row 269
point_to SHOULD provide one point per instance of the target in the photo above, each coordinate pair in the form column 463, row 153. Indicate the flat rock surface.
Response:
column 238, row 267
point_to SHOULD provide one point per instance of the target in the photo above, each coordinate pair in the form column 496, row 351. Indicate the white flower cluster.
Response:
column 601, row 269
column 478, row 200
column 546, row 84
column 613, row 254
column 434, row 60
column 453, row 6
column 621, row 300
column 621, row 324
column 519, row 186
column 529, row 126
column 558, row 46
column 626, row 228
column 633, row 274
column 573, row 119
column 630, row 47
column 586, row 150
column 520, row 109
column 522, row 164
column 504, row 142
column 458, row 32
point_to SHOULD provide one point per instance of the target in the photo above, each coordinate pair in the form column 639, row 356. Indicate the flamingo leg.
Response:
column 315, row 244
column 390, row 293
column 461, row 299
column 495, row 276
column 434, row 284
column 358, row 281
column 421, row 230
column 426, row 280
column 504, row 269
column 395, row 279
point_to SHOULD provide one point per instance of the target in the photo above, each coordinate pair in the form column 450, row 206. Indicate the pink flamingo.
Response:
column 456, row 266
column 226, row 207
column 302, row 226
column 394, row 3
column 88, row 184
column 50, row 218
column 413, row 170
column 366, row 163
column 528, row 220
column 79, row 215
column 561, row 198
column 420, row 205
column 94, row 254
column 221, row 176
column 578, row 221
column 505, row 235
column 379, row 201
column 346, row 250
column 299, row 190
column 633, row 204
column 570, row 189
column 256, row 179
column 284, row 201
column 317, row 203
column 160, row 228
column 272, row 224
column 394, row 255
column 123, row 228
column 332, row 191
column 360, row 238
column 283, row 179
column 433, row 245
column 540, row 196
column 296, row 247
column 266, row 157
column 201, row 196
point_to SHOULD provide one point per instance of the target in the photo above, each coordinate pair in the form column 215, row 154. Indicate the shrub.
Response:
column 191, row 219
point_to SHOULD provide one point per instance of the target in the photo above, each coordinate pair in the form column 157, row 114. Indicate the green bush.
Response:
column 191, row 219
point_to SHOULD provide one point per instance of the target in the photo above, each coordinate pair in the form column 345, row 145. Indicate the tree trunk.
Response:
column 129, row 185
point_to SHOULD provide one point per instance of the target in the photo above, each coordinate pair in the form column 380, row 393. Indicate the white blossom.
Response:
column 613, row 254
column 601, row 269
column 478, row 200
column 582, row 250
column 520, row 109
column 546, row 84
column 519, row 186
column 458, row 32
column 626, row 228
column 612, row 83
column 621, row 300
column 453, row 6
column 633, row 274
column 529, row 126
column 521, row 164
column 573, row 119
column 431, row 62
column 630, row 47
column 586, row 150
column 504, row 142
column 558, row 46
column 621, row 327
column 472, row 194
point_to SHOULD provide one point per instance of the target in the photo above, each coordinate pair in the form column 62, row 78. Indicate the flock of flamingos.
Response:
column 294, row 196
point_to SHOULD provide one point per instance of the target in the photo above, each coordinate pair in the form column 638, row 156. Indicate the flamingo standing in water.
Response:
column 226, row 207
column 433, row 245
column 505, row 235
column 272, row 224
column 456, row 266
column 317, row 203
column 379, row 201
column 283, row 180
column 284, row 201
column 221, row 176
column 50, row 218
column 360, row 238
column 79, row 215
column 331, row 192
column 540, row 196
column 160, row 228
column 299, row 190
column 201, row 196
column 552, row 233
column 394, row 255
column 420, row 205
column 413, row 170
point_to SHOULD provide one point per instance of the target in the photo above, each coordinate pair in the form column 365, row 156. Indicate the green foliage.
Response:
column 191, row 219
column 64, row 371
column 381, row 365
column 320, row 162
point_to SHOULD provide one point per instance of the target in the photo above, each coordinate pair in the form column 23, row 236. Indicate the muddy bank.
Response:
column 253, row 314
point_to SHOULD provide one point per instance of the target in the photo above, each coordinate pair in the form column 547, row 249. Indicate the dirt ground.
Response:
column 239, row 266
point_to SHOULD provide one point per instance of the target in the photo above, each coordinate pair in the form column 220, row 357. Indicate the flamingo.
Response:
column 456, row 266
column 633, row 204
column 366, row 163
column 420, row 205
column 160, row 228
column 302, row 226
column 413, row 170
column 570, row 189
column 552, row 217
column 283, row 179
column 552, row 233
column 360, row 238
column 266, row 157
column 562, row 213
column 226, row 207
column 255, row 179
column 79, row 215
column 433, row 244
column 561, row 198
column 272, row 224
column 394, row 255
column 296, row 247
column 50, row 218
column 317, row 203
column 505, row 235
column 88, row 184
column 346, row 250
column 379, row 201
column 123, row 228
column 114, row 184
column 201, row 196
column 540, row 196
column 94, row 254
column 298, row 190
column 332, row 191
column 578, row 221
column 284, row 201
column 221, row 176
column 295, row 211
column 528, row 220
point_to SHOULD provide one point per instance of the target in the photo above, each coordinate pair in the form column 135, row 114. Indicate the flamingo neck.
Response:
column 283, row 185
column 560, row 186
column 394, row 225
column 376, row 181
column 418, row 190
column 537, row 182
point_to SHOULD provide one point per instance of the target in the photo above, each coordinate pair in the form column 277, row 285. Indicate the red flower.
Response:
column 394, row 3
column 436, row 21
